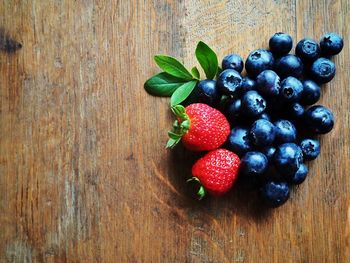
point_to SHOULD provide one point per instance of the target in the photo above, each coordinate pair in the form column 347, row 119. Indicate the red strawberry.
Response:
column 201, row 127
column 216, row 172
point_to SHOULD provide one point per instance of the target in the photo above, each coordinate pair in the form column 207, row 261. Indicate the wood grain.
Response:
column 84, row 176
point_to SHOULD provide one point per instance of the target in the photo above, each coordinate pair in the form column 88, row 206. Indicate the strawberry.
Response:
column 216, row 172
column 201, row 127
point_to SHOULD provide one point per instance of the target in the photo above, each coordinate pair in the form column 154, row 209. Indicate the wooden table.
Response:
column 84, row 176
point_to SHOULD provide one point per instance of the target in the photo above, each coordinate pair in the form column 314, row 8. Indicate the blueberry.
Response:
column 233, row 110
column 229, row 81
column 207, row 92
column 262, row 133
column 291, row 89
column 232, row 61
column 275, row 193
column 310, row 148
column 253, row 163
column 280, row 44
column 287, row 158
column 322, row 70
column 331, row 44
column 285, row 131
column 247, row 84
column 268, row 83
column 296, row 111
column 319, row 119
column 253, row 104
column 311, row 92
column 289, row 65
column 308, row 50
column 300, row 174
column 269, row 151
column 258, row 61
column 238, row 140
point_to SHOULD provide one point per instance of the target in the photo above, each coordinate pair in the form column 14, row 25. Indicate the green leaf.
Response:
column 182, row 92
column 162, row 84
column 172, row 143
column 173, row 67
column 185, row 125
column 201, row 192
column 174, row 135
column 195, row 73
column 176, row 124
column 178, row 110
column 208, row 59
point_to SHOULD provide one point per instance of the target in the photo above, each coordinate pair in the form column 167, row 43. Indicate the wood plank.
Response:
column 84, row 176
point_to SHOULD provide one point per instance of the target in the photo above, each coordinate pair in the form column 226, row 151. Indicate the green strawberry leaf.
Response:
column 207, row 59
column 163, row 84
column 176, row 124
column 195, row 73
column 182, row 92
column 178, row 110
column 172, row 142
column 174, row 135
column 173, row 67
column 201, row 192
column 180, row 127
column 185, row 125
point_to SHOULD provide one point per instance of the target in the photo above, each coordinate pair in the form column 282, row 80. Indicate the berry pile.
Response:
column 261, row 126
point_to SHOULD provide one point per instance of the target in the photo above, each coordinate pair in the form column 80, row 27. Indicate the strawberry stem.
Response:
column 180, row 126
column 201, row 192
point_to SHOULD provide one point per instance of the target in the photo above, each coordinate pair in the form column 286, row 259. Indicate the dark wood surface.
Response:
column 84, row 176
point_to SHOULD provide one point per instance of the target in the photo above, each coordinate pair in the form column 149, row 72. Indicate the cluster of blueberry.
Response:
column 273, row 130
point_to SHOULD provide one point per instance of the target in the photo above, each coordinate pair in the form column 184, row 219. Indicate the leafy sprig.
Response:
column 178, row 82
